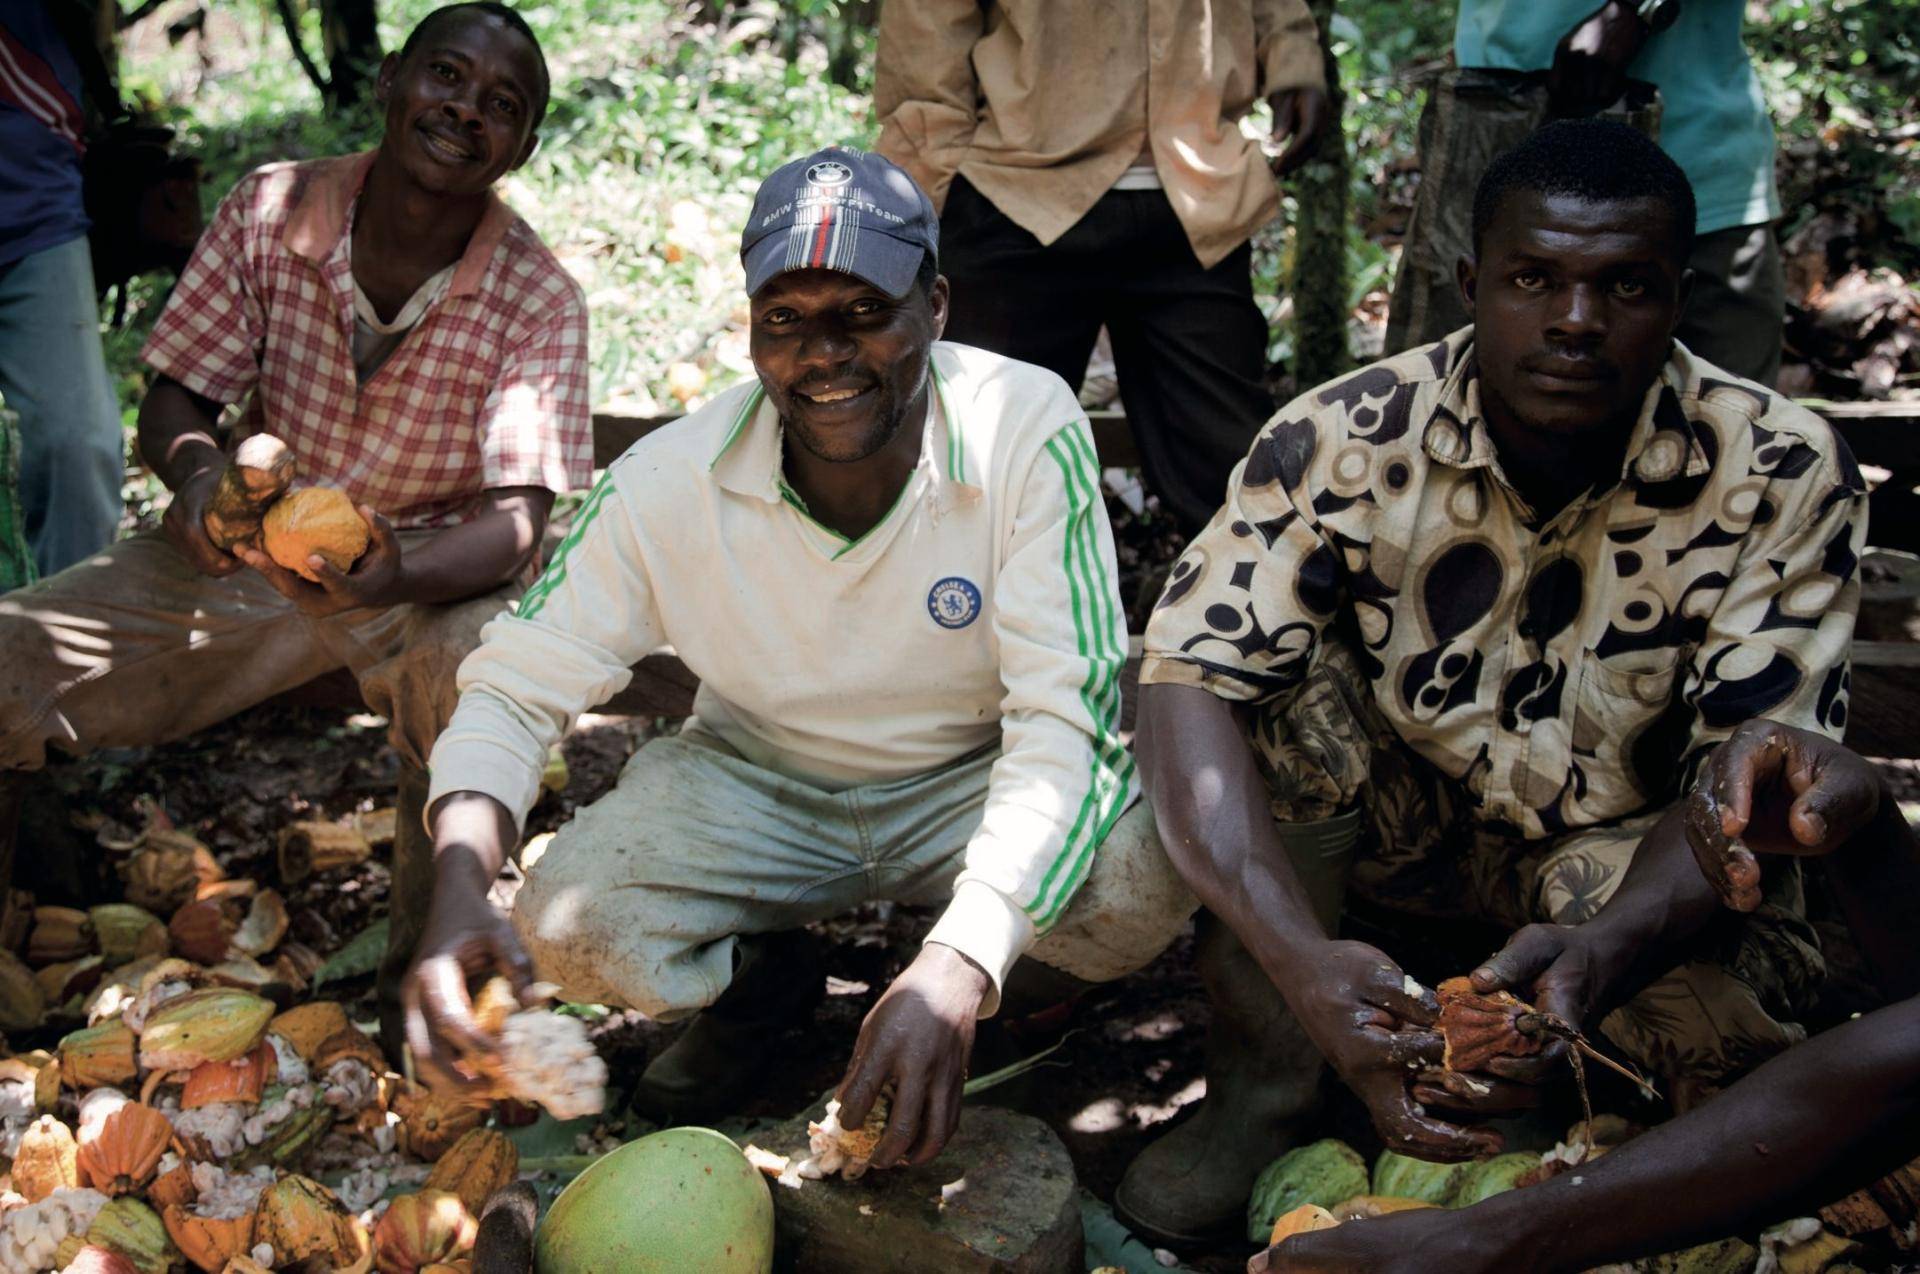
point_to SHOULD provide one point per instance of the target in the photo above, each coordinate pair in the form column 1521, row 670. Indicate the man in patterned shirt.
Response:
column 1498, row 598
column 419, row 348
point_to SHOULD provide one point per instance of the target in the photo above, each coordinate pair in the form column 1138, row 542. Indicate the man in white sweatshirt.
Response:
column 888, row 562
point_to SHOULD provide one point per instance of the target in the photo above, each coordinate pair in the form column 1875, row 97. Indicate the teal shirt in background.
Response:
column 1714, row 119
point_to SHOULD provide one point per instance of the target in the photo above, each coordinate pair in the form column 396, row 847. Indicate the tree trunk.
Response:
column 1319, row 283
column 352, row 46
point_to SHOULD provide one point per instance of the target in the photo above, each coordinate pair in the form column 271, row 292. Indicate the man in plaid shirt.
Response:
column 419, row 348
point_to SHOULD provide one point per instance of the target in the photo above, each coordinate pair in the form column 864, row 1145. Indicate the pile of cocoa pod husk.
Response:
column 192, row 1097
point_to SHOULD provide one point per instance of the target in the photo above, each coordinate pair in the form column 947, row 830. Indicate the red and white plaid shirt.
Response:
column 488, row 390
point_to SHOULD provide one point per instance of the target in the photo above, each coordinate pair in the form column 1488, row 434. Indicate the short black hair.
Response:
column 1597, row 160
column 493, row 9
column 929, row 271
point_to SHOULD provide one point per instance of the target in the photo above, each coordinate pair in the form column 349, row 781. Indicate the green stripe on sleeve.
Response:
column 1110, row 768
column 550, row 579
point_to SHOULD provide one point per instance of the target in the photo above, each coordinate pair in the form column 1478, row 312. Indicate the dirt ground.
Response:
column 1132, row 1056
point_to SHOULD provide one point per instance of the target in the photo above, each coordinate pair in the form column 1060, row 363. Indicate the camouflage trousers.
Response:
column 1727, row 1007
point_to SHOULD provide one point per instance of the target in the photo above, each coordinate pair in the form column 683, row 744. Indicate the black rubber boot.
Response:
column 1263, row 1073
column 778, row 980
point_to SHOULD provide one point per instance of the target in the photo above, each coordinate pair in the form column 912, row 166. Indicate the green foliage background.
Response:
column 663, row 120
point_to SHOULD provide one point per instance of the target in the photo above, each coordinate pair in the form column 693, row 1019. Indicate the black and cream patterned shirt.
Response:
column 1564, row 673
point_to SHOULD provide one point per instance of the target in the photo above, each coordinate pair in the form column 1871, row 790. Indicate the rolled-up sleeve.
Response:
column 1245, row 606
column 924, row 90
column 537, row 424
column 1287, row 45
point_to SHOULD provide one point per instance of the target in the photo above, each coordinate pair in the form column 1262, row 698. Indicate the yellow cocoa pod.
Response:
column 1302, row 1220
column 215, row 1024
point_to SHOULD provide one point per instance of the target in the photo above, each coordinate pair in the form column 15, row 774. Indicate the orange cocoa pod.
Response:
column 174, row 1187
column 242, row 1079
column 354, row 1043
column 302, row 1220
column 475, row 1166
column 208, row 1242
column 123, row 1157
column 420, row 1229
column 308, row 1026
column 431, row 1123
column 316, row 521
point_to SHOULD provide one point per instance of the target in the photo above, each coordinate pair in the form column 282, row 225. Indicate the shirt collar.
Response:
column 748, row 461
column 1664, row 444
column 324, row 216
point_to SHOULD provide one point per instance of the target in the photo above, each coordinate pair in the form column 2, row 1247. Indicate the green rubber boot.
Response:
column 1263, row 1073
column 778, row 980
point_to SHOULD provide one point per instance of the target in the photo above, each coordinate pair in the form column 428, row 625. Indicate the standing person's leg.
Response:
column 1190, row 351
column 52, row 372
column 1013, row 296
column 1739, row 303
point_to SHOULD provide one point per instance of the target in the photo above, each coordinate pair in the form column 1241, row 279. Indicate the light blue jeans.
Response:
column 52, row 372
column 639, row 901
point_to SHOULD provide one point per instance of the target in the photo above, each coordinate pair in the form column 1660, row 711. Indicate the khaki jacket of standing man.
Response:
column 1090, row 170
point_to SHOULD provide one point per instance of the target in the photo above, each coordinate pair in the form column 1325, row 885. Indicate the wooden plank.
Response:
column 1886, row 654
column 615, row 431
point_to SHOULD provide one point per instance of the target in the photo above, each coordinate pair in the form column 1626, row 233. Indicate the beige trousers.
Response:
column 132, row 647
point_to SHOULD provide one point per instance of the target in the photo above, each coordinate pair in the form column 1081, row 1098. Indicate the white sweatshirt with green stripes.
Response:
column 983, row 608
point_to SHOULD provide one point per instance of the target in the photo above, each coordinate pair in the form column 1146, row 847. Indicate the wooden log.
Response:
column 309, row 848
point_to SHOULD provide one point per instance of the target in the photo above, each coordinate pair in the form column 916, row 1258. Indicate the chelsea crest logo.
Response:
column 953, row 602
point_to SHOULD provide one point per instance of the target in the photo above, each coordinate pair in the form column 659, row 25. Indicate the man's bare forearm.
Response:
column 1662, row 903
column 477, row 556
column 176, row 432
column 1824, row 1118
column 1215, row 820
column 472, row 834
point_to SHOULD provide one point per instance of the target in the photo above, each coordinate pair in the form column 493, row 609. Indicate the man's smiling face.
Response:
column 844, row 363
column 461, row 105
column 1574, row 306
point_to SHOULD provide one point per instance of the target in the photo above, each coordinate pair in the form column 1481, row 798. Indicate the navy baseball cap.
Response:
column 840, row 209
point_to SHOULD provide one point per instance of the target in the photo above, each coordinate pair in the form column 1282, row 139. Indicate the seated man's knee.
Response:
column 1130, row 908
